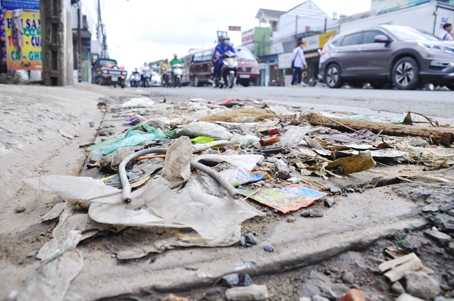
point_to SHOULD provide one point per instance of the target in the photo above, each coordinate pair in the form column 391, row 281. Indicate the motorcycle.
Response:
column 146, row 79
column 134, row 80
column 165, row 79
column 177, row 75
column 229, row 69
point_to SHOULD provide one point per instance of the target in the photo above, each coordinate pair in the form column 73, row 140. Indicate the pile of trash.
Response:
column 10, row 79
column 198, row 170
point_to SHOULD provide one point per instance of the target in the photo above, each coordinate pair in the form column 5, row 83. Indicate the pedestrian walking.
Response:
column 446, row 35
column 298, row 61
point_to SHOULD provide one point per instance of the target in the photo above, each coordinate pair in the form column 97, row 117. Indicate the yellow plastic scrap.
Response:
column 356, row 163
column 200, row 139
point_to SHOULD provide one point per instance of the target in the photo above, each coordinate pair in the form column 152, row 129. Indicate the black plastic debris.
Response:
column 274, row 150
column 248, row 240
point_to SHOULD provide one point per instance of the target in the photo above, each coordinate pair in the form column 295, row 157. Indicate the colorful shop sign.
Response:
column 2, row 36
column 20, row 4
column 29, row 55
column 324, row 37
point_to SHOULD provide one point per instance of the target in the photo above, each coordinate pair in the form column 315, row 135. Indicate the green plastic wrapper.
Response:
column 137, row 135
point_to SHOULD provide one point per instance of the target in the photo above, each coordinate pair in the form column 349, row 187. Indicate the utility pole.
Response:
column 79, row 43
column 296, row 29
column 56, row 43
column 100, row 31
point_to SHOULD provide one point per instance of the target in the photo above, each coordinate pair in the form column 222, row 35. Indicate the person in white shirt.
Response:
column 298, row 61
column 446, row 34
column 145, row 70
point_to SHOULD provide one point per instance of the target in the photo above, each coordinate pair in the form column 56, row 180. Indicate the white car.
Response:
column 155, row 79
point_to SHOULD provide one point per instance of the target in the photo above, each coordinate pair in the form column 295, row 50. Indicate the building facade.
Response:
column 91, row 37
column 430, row 16
column 305, row 22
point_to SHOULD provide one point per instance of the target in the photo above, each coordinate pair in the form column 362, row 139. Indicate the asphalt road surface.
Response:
column 360, row 101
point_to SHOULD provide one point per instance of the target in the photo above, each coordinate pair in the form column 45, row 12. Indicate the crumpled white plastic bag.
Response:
column 158, row 205
column 51, row 280
column 138, row 102
column 202, row 128
column 84, row 189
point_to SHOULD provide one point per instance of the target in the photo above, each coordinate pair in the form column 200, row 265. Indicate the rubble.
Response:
column 397, row 288
column 421, row 285
column 269, row 249
column 19, row 209
column 407, row 297
column 440, row 238
column 252, row 292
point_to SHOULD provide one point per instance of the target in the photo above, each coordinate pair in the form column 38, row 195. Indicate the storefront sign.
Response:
column 248, row 36
column 20, row 4
column 311, row 43
column 2, row 36
column 234, row 28
column 289, row 45
column 86, row 45
column 29, row 57
column 285, row 60
column 324, row 37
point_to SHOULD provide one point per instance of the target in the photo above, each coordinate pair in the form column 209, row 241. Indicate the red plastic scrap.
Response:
column 353, row 295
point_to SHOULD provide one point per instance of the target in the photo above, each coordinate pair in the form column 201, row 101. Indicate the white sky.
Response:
column 141, row 31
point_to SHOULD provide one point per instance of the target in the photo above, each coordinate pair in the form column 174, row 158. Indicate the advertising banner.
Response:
column 311, row 43
column 324, row 37
column 2, row 36
column 234, row 28
column 285, row 60
column 24, row 47
column 248, row 36
column 23, row 4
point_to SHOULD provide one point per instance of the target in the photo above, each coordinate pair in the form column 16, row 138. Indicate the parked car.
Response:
column 199, row 67
column 248, row 67
column 401, row 55
column 107, row 72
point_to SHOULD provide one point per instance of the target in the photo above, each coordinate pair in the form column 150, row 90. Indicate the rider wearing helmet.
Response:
column 218, row 55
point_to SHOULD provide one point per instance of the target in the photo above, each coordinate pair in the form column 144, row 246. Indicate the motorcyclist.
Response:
column 145, row 70
column 218, row 55
column 136, row 74
column 164, row 68
column 175, row 61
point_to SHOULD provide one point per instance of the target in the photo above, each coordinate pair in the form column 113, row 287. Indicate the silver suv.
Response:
column 401, row 55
